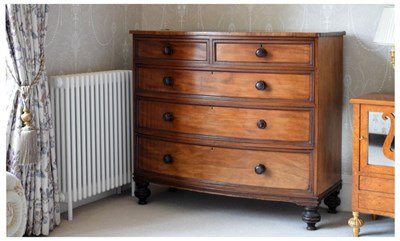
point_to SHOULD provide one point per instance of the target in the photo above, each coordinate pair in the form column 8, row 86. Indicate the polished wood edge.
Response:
column 230, row 143
column 269, row 67
column 376, row 175
column 375, row 193
column 374, row 212
column 229, row 102
column 335, row 187
column 224, row 101
column 303, row 197
column 374, row 99
column 252, row 34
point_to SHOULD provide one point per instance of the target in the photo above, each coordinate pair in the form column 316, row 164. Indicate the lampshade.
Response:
column 385, row 32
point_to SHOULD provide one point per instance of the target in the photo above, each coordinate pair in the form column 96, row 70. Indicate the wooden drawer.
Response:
column 377, row 184
column 280, row 125
column 165, row 49
column 296, row 87
column 206, row 163
column 292, row 52
column 376, row 202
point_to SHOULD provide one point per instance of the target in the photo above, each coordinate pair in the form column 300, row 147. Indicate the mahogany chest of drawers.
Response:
column 253, row 115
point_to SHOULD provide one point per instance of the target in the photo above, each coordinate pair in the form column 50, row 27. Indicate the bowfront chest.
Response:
column 253, row 115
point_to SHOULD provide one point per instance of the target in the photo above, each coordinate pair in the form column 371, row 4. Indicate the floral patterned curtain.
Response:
column 26, row 26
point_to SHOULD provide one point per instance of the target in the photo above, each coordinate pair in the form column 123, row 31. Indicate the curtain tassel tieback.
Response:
column 27, row 140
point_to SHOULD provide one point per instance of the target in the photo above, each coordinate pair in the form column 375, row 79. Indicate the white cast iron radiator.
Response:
column 92, row 122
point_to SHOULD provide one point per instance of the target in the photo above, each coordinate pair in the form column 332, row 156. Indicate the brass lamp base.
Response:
column 392, row 56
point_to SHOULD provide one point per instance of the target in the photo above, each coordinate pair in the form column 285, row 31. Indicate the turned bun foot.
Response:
column 142, row 192
column 311, row 216
column 332, row 201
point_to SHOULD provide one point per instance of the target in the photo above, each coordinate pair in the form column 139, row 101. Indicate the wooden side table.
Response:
column 373, row 157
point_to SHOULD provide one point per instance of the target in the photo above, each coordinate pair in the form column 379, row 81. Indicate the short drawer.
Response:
column 382, row 185
column 376, row 202
column 265, row 52
column 223, row 165
column 296, row 87
column 165, row 49
column 276, row 125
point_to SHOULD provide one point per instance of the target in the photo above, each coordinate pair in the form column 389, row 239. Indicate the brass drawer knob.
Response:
column 260, row 169
column 261, row 85
column 261, row 124
column 167, row 50
column 167, row 158
column 168, row 116
column 168, row 80
column 261, row 52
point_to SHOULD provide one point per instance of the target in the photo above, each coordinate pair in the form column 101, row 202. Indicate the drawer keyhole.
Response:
column 168, row 116
column 167, row 50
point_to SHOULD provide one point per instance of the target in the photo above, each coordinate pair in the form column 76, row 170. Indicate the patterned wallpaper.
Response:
column 84, row 38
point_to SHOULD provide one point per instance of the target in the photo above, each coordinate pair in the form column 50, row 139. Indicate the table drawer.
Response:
column 224, row 165
column 382, row 185
column 296, row 87
column 265, row 52
column 165, row 49
column 276, row 125
column 376, row 202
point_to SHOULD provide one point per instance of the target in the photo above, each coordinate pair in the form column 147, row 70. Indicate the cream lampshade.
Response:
column 385, row 32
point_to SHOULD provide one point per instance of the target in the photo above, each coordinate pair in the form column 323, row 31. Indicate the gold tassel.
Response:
column 27, row 141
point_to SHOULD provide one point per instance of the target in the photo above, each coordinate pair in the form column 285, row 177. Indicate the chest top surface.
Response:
column 244, row 34
column 374, row 99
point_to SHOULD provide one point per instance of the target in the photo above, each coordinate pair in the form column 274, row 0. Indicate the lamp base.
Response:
column 392, row 55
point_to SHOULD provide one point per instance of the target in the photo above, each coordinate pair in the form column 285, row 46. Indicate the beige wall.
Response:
column 84, row 38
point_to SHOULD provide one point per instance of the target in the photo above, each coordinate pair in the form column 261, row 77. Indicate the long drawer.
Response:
column 274, row 169
column 296, row 87
column 264, row 52
column 258, row 124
